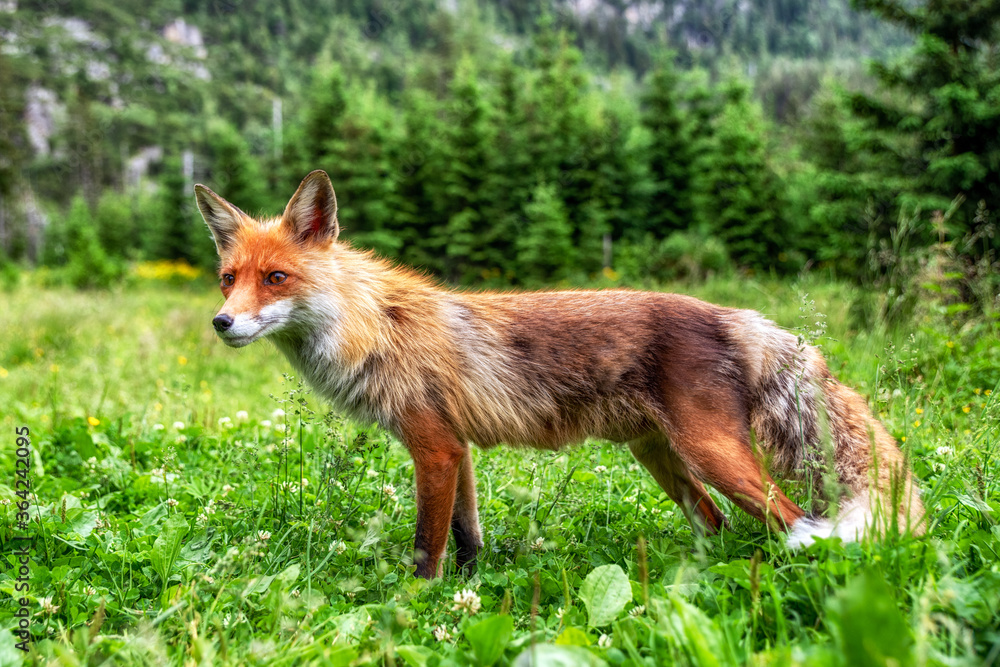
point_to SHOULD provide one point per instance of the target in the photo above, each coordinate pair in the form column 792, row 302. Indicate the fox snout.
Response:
column 222, row 322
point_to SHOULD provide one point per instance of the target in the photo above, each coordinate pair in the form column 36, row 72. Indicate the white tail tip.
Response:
column 852, row 522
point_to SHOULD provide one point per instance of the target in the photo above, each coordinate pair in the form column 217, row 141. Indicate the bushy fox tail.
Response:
column 807, row 423
column 881, row 495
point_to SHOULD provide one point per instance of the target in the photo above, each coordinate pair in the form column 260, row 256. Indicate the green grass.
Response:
column 172, row 528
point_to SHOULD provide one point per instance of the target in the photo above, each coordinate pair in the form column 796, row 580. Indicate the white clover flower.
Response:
column 372, row 472
column 389, row 490
column 172, row 502
column 202, row 517
column 242, row 415
column 338, row 547
column 182, row 438
column 227, row 489
column 47, row 606
column 538, row 544
column 633, row 467
column 604, row 641
column 90, row 590
column 178, row 426
column 225, row 422
column 655, row 510
column 305, row 482
column 296, row 593
column 158, row 427
column 280, row 428
column 209, row 508
column 466, row 600
column 266, row 423
column 559, row 613
column 209, row 579
column 278, row 413
column 5, row 502
column 441, row 634
column 263, row 535
column 944, row 451
column 600, row 469
column 637, row 611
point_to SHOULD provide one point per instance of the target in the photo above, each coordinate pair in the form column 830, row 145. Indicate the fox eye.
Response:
column 228, row 279
column 275, row 278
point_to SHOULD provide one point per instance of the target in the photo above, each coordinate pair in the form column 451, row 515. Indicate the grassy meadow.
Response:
column 196, row 505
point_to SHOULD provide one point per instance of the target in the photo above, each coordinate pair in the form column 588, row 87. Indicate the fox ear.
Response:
column 312, row 211
column 222, row 218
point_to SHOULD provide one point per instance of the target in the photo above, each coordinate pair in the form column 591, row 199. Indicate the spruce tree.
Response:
column 670, row 155
column 468, row 191
column 418, row 162
column 545, row 250
column 359, row 160
column 736, row 192
column 235, row 173
column 945, row 106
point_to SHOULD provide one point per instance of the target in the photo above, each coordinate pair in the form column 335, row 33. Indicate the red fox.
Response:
column 700, row 393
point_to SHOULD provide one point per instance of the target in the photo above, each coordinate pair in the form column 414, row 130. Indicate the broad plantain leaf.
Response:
column 605, row 592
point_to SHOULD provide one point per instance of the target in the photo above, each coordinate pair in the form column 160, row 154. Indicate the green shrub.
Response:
column 85, row 263
column 682, row 255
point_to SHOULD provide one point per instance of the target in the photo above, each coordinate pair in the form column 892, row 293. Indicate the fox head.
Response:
column 268, row 267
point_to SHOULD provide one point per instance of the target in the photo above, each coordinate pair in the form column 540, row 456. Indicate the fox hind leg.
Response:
column 675, row 478
column 714, row 443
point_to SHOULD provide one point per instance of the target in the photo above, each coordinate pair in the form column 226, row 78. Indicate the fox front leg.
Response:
column 437, row 458
column 465, row 517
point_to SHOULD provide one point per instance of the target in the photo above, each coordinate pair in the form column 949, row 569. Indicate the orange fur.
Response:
column 688, row 384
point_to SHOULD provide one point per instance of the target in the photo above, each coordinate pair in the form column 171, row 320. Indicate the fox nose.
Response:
column 222, row 322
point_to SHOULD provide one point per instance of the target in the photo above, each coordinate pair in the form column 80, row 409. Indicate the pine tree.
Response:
column 235, row 173
column 418, row 163
column 623, row 183
column 468, row 189
column 515, row 171
column 174, row 230
column 736, row 192
column 545, row 250
column 115, row 219
column 945, row 107
column 87, row 263
column 670, row 155
column 359, row 160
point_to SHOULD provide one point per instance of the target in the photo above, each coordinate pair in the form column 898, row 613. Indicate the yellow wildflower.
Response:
column 93, row 421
